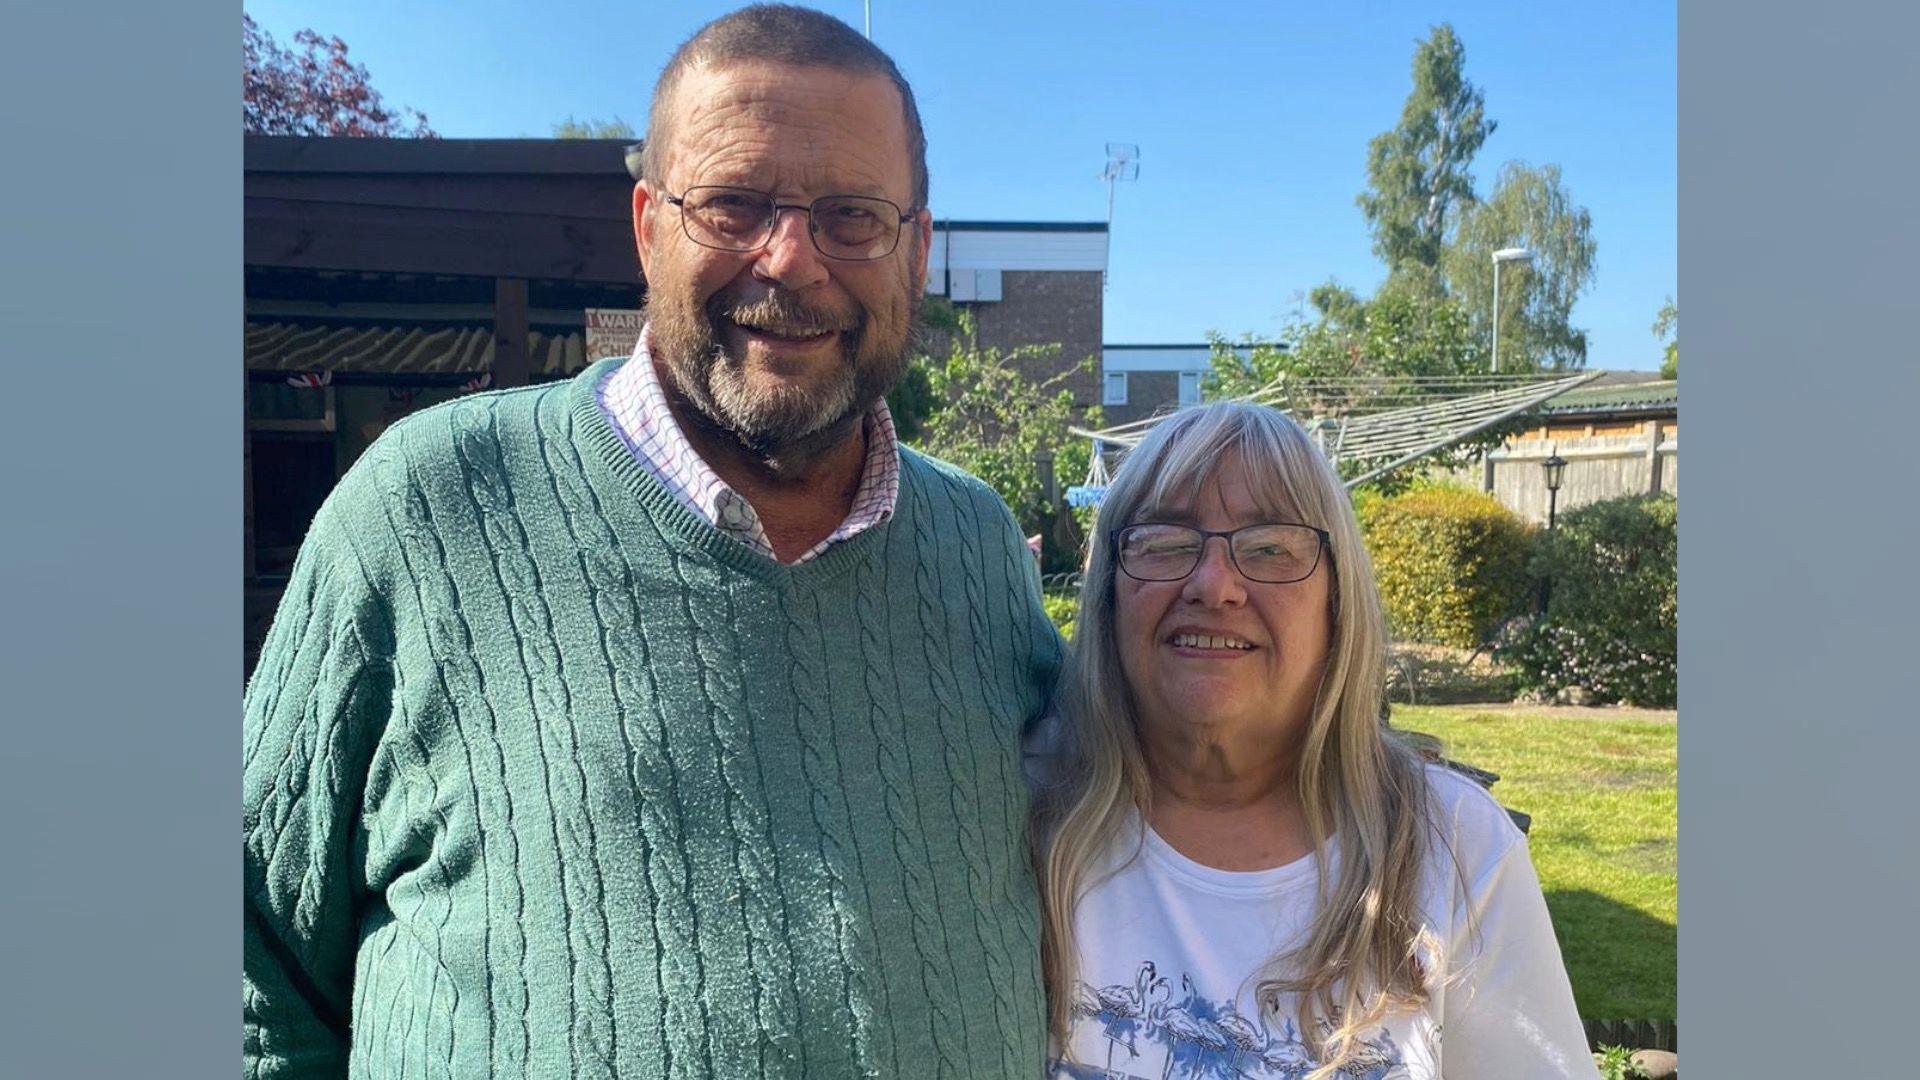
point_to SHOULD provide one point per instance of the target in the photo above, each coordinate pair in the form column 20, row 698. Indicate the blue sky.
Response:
column 1262, row 108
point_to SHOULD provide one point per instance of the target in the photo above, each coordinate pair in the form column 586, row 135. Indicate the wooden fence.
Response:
column 1633, row 1034
column 1598, row 467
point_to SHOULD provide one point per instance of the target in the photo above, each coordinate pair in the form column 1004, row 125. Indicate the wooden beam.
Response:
column 486, row 158
column 587, row 198
column 397, row 240
column 512, row 364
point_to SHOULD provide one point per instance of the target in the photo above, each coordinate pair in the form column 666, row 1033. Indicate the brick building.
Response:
column 1138, row 381
column 1027, row 283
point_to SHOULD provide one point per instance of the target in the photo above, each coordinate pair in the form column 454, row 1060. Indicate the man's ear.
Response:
column 645, row 219
column 923, row 227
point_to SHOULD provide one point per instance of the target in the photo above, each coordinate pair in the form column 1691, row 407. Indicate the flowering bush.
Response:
column 1451, row 563
column 1612, row 618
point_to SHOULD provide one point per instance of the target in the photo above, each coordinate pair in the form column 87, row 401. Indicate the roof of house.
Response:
column 1621, row 395
column 322, row 154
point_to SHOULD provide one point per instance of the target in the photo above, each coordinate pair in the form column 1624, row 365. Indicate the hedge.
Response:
column 1451, row 563
column 1061, row 607
column 1612, row 619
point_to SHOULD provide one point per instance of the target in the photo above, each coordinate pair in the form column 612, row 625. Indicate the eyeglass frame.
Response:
column 1207, row 535
column 678, row 202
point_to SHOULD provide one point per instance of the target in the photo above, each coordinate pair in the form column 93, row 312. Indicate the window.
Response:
column 1116, row 389
column 1190, row 387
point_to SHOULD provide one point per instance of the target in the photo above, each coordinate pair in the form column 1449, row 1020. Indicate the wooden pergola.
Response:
column 425, row 263
column 450, row 221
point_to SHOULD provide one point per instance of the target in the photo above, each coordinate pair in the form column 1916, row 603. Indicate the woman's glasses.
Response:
column 1275, row 553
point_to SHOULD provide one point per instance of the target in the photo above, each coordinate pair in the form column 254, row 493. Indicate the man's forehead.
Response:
column 734, row 122
column 778, row 92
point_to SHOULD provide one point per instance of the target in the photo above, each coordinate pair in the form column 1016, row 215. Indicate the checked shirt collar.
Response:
column 636, row 404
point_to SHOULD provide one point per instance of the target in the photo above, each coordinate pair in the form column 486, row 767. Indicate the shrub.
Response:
column 988, row 417
column 1061, row 608
column 1616, row 1063
column 1612, row 618
column 1451, row 563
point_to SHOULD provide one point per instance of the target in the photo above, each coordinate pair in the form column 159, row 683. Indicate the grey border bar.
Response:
column 1800, row 883
column 120, row 427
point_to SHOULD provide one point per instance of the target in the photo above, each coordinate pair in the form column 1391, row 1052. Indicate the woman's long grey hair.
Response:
column 1359, row 787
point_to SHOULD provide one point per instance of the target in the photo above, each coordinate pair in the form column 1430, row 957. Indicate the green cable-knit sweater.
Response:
column 546, row 777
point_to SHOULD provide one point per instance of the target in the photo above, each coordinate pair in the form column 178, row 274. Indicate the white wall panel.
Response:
column 959, row 250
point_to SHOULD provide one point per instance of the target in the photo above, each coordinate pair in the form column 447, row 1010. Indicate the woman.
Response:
column 1246, row 873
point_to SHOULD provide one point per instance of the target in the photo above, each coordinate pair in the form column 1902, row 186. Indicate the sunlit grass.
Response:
column 1603, row 796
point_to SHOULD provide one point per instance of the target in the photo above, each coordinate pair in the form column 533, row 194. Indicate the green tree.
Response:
column 1530, row 208
column 1417, row 172
column 1396, row 335
column 992, row 421
column 614, row 128
column 911, row 400
column 1666, row 327
column 1337, row 303
column 1241, row 368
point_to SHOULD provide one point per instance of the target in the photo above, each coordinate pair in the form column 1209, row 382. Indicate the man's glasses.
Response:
column 1275, row 553
column 855, row 228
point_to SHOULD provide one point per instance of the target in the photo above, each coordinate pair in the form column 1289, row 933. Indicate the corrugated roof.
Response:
column 397, row 350
column 1604, row 397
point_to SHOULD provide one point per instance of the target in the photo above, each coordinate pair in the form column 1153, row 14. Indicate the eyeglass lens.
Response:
column 843, row 226
column 1268, row 553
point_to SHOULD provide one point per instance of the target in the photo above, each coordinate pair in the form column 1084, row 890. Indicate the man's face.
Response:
column 783, row 346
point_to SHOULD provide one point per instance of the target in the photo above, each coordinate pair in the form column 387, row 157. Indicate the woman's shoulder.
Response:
column 1471, row 824
column 1044, row 749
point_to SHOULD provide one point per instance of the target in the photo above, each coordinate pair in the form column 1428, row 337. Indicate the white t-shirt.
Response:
column 1170, row 953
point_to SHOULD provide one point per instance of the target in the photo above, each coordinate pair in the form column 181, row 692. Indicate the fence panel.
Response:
column 1599, row 467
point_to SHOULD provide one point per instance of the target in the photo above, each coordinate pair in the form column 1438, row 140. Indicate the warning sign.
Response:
column 612, row 332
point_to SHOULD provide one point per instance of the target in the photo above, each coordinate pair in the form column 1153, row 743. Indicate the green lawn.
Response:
column 1602, row 793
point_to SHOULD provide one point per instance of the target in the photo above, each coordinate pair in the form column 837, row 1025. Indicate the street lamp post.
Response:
column 1504, row 255
column 1556, row 470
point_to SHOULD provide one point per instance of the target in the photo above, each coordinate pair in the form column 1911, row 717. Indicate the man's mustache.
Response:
column 781, row 310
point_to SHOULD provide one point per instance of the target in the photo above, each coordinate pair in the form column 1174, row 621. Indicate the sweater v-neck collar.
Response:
column 607, row 461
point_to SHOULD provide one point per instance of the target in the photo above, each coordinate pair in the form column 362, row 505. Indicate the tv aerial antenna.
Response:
column 1123, row 163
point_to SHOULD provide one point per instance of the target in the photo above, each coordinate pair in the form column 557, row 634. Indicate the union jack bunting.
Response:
column 311, row 379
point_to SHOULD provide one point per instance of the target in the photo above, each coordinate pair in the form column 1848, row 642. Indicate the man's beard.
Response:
column 783, row 426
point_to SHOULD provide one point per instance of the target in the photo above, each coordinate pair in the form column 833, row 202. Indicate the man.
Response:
column 663, row 723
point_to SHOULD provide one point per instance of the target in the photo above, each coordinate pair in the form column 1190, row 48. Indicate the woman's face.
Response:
column 1256, row 699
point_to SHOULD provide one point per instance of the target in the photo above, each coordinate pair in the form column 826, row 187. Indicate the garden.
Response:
column 1544, row 656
